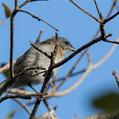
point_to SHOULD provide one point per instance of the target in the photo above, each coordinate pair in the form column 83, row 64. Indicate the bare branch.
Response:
column 14, row 96
column 12, row 38
column 39, row 36
column 22, row 105
column 115, row 74
column 84, row 76
column 98, row 11
column 45, row 53
column 79, row 50
column 28, row 1
column 108, row 14
column 44, row 87
column 109, row 41
column 70, row 71
column 89, row 58
column 37, row 18
column 72, row 75
column 112, row 17
column 84, row 11
column 11, row 45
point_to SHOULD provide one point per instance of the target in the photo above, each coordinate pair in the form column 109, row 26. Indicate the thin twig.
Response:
column 46, row 104
column 44, row 87
column 109, row 41
column 43, row 90
column 28, row 1
column 70, row 71
column 84, row 11
column 84, row 76
column 37, row 18
column 115, row 74
column 24, row 3
column 39, row 36
column 45, row 53
column 110, row 18
column 14, row 96
column 89, row 58
column 98, row 11
column 12, row 40
column 23, row 106
column 27, row 93
column 72, row 75
column 109, row 13
column 96, row 40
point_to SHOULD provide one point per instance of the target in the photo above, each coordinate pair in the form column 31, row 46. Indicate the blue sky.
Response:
column 79, row 29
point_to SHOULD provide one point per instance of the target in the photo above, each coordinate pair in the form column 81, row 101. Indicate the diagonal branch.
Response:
column 22, row 105
column 14, row 96
column 98, row 11
column 28, row 1
column 84, row 11
column 38, row 18
column 45, row 53
column 116, row 76
column 79, row 50
column 112, row 17
column 70, row 72
column 84, row 76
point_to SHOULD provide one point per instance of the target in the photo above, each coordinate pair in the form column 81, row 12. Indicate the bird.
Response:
column 30, row 67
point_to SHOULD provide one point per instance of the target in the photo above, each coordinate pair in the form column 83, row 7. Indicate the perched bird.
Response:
column 32, row 65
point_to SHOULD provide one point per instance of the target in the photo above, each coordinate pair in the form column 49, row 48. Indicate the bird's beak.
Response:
column 73, row 49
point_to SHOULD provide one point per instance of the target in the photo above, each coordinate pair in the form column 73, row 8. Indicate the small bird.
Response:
column 30, row 68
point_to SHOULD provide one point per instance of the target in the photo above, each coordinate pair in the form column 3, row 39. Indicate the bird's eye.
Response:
column 67, row 43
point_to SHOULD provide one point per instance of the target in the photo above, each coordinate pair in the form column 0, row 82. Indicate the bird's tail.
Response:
column 5, row 85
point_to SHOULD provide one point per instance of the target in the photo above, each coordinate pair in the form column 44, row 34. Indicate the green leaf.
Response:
column 7, row 10
column 11, row 114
